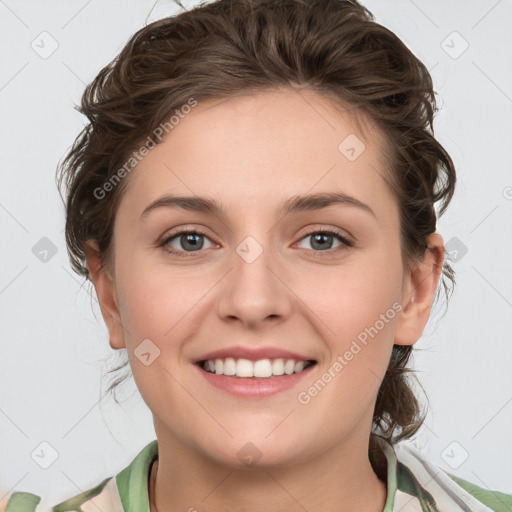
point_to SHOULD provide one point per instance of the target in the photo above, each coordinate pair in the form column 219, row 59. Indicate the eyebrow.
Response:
column 294, row 204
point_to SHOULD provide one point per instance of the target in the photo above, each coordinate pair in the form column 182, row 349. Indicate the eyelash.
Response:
column 329, row 252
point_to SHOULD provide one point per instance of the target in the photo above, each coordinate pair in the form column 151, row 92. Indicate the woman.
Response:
column 254, row 200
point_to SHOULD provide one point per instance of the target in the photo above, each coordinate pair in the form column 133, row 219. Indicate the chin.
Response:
column 250, row 450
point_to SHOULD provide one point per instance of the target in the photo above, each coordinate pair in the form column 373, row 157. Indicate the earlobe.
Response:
column 419, row 292
column 105, row 290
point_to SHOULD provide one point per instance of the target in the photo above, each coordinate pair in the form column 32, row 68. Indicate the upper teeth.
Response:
column 247, row 368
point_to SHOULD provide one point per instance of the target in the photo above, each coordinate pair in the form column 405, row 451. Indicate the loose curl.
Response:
column 232, row 47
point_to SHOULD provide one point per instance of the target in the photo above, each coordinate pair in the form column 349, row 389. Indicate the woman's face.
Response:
column 267, row 276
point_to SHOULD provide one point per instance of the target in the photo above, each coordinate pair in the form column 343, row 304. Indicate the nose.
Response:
column 254, row 292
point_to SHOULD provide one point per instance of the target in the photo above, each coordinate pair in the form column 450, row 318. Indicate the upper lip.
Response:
column 252, row 353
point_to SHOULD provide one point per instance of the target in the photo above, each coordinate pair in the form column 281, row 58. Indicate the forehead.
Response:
column 263, row 147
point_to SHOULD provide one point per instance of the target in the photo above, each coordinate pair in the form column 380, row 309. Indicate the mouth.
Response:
column 260, row 369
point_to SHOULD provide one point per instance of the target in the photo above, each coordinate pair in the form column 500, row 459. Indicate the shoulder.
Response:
column 495, row 500
column 417, row 475
column 125, row 492
column 103, row 496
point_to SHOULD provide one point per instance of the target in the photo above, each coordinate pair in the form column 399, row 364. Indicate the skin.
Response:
column 251, row 153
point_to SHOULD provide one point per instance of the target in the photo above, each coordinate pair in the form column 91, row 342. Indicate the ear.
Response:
column 419, row 290
column 105, row 290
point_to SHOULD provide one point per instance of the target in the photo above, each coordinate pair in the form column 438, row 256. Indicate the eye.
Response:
column 185, row 241
column 322, row 241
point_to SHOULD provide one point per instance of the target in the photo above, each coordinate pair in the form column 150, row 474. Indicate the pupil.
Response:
column 321, row 237
column 191, row 238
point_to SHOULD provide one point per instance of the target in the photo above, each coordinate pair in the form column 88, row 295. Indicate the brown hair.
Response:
column 230, row 47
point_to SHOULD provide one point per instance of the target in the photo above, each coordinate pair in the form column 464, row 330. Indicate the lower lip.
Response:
column 254, row 387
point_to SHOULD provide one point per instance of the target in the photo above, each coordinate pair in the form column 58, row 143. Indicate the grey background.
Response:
column 54, row 347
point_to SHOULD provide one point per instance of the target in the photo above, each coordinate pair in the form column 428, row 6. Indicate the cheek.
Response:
column 155, row 300
column 356, row 296
column 158, row 317
column 360, row 305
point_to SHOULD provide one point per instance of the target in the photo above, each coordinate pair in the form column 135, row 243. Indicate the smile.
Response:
column 263, row 368
column 248, row 379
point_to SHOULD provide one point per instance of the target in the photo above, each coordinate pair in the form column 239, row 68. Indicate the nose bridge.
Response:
column 253, row 291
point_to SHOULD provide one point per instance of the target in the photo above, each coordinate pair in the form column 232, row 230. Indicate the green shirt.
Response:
column 413, row 485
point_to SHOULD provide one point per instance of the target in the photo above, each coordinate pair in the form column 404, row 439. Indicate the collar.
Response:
column 132, row 482
column 413, row 483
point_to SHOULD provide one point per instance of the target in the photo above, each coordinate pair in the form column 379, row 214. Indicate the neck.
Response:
column 349, row 484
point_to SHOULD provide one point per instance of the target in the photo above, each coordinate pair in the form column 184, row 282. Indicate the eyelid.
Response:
column 342, row 233
column 166, row 238
column 345, row 243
